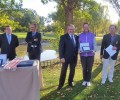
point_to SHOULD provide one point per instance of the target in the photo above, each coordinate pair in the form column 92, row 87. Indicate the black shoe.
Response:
column 59, row 88
column 71, row 84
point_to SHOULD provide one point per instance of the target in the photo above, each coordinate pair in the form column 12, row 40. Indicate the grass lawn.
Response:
column 48, row 36
column 23, row 35
column 95, row 92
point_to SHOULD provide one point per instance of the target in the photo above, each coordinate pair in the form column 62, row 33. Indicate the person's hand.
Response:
column 93, row 51
column 36, row 39
column 101, row 56
column 79, row 51
column 62, row 60
column 114, row 48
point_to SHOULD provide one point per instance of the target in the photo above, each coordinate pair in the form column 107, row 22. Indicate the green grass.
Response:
column 48, row 36
column 21, row 50
column 23, row 35
column 95, row 92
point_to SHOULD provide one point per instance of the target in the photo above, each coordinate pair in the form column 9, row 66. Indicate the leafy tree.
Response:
column 29, row 16
column 118, row 25
column 78, row 12
column 90, row 12
column 42, row 23
column 69, row 6
column 9, row 9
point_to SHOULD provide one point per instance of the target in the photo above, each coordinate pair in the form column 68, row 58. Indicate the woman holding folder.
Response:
column 87, row 50
column 109, row 52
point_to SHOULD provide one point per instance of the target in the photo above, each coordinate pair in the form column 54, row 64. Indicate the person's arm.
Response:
column 38, row 39
column 94, row 45
column 0, row 41
column 79, row 44
column 118, row 48
column 102, row 47
column 61, row 49
column 28, row 39
column 17, row 42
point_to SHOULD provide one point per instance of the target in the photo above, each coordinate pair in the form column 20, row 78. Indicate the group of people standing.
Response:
column 69, row 47
column 9, row 42
column 85, row 44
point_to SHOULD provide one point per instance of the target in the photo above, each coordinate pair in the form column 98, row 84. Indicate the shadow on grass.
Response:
column 64, row 93
column 94, row 75
column 96, row 71
column 108, row 91
column 68, row 93
column 49, row 88
column 82, row 94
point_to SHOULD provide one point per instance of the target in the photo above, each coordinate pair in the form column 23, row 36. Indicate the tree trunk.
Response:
column 68, row 14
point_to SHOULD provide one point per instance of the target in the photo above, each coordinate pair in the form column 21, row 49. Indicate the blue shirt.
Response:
column 112, row 38
column 9, row 37
column 33, row 33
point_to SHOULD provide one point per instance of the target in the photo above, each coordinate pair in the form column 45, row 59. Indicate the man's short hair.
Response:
column 7, row 26
column 34, row 24
column 113, row 25
column 85, row 23
column 70, row 25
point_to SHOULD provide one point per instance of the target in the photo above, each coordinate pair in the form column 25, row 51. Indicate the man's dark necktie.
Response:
column 72, row 38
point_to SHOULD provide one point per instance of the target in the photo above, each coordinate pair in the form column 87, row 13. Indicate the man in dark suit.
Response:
column 109, row 39
column 68, row 50
column 33, row 39
column 8, row 43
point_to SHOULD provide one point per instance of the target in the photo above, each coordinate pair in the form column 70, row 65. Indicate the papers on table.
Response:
column 110, row 51
column 3, row 58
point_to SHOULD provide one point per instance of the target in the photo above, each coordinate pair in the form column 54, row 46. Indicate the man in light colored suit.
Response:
column 109, row 39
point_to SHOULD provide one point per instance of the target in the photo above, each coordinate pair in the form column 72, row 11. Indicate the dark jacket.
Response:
column 7, row 48
column 66, row 48
column 106, row 42
column 30, row 40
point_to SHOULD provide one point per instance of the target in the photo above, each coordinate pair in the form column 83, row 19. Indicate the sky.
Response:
column 112, row 13
column 44, row 10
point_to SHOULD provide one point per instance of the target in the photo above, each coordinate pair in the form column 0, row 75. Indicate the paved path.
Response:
column 97, row 53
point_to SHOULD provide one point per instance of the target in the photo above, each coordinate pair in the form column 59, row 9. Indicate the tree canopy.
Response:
column 82, row 11
column 12, row 13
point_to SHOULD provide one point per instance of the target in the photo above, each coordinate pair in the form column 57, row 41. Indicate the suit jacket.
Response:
column 30, row 40
column 66, row 48
column 7, row 48
column 106, row 42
